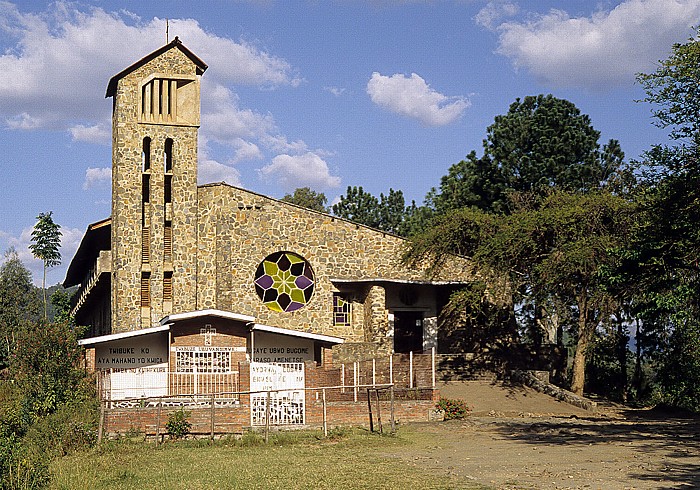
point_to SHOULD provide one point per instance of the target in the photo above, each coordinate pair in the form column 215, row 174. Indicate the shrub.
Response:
column 453, row 408
column 177, row 425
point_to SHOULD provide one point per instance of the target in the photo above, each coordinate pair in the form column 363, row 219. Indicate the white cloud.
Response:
column 96, row 133
column 603, row 50
column 293, row 171
column 335, row 90
column 96, row 177
column 210, row 170
column 59, row 63
column 62, row 59
column 213, row 171
column 490, row 15
column 413, row 97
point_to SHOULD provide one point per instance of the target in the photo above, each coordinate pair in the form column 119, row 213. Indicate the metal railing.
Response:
column 140, row 383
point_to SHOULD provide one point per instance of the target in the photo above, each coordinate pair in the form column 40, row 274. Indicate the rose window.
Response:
column 284, row 281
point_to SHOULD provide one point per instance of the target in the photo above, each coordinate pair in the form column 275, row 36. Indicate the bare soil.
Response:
column 520, row 439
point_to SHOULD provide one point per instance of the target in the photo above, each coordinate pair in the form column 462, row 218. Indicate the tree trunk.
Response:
column 622, row 340
column 43, row 287
column 585, row 331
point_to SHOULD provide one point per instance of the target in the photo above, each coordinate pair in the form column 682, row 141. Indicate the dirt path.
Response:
column 514, row 448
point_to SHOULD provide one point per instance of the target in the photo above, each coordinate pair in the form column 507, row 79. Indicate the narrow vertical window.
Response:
column 145, row 196
column 145, row 289
column 168, row 155
column 168, row 286
column 146, row 154
column 145, row 245
column 168, row 188
column 168, row 241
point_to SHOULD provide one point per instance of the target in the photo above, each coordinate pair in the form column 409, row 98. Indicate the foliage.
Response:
column 673, row 87
column 178, row 425
column 387, row 213
column 17, row 303
column 553, row 249
column 453, row 408
column 307, row 198
column 46, row 366
column 358, row 206
column 659, row 271
column 46, row 240
column 542, row 143
column 49, row 408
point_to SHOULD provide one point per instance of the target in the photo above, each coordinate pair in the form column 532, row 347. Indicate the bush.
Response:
column 177, row 425
column 453, row 408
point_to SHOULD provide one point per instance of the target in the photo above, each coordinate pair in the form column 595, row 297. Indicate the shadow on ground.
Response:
column 674, row 436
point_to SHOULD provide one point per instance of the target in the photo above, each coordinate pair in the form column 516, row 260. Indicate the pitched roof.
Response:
column 175, row 43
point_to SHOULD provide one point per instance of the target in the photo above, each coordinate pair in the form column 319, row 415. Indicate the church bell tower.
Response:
column 155, row 121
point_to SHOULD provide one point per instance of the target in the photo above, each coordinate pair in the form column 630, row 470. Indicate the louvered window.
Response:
column 145, row 245
column 145, row 289
column 168, row 241
column 159, row 100
column 168, row 286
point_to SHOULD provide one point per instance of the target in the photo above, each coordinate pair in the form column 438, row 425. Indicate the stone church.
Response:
column 199, row 267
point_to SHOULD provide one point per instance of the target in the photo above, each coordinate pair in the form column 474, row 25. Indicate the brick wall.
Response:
column 344, row 406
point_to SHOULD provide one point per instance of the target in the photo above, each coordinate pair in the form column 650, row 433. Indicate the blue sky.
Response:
column 319, row 93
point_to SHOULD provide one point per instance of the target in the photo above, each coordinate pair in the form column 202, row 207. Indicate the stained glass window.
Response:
column 284, row 281
column 341, row 311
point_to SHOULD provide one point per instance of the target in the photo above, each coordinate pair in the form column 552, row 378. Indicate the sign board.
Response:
column 149, row 350
column 138, row 366
column 286, row 407
column 270, row 347
column 265, row 377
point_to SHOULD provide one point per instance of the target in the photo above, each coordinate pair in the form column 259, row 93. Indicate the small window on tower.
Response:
column 168, row 286
column 145, row 289
column 146, row 154
column 168, row 155
column 168, row 241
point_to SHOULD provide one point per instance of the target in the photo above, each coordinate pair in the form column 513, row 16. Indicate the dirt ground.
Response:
column 520, row 439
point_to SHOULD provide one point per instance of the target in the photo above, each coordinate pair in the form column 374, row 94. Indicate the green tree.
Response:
column 46, row 240
column 542, row 143
column 660, row 272
column 392, row 212
column 387, row 213
column 556, row 248
column 307, row 198
column 17, row 302
column 358, row 206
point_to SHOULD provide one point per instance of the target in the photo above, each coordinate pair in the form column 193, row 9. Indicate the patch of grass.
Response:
column 351, row 459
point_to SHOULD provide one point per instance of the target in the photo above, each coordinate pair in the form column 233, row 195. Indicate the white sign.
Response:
column 269, row 347
column 149, row 350
column 265, row 377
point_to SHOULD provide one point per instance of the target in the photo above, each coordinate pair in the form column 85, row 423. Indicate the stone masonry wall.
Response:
column 128, row 133
column 237, row 229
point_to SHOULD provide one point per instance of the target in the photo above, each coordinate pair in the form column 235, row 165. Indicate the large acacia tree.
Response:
column 557, row 247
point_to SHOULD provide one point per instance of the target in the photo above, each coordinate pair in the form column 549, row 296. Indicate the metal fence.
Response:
column 118, row 386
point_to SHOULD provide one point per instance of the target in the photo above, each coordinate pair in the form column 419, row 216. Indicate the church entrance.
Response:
column 408, row 331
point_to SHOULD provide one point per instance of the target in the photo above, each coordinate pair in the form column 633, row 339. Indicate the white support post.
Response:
column 410, row 369
column 391, row 369
column 354, row 378
column 342, row 378
column 374, row 372
column 432, row 352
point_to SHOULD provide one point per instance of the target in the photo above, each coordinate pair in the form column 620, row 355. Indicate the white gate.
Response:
column 285, row 383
